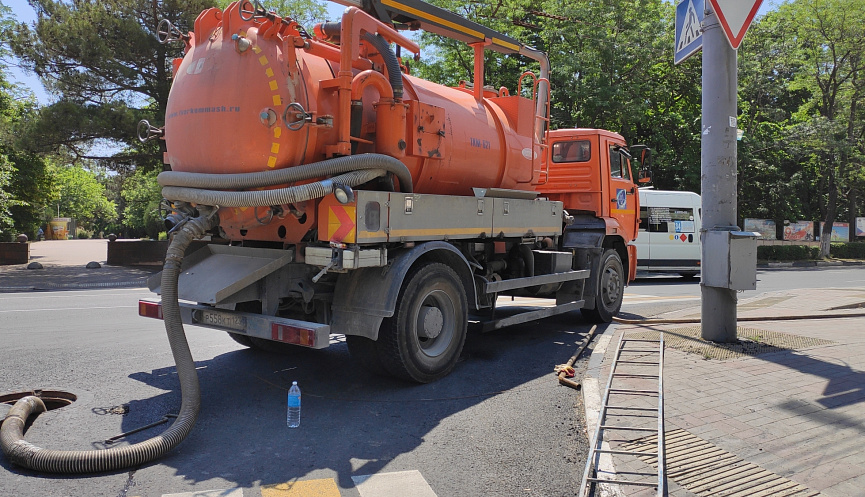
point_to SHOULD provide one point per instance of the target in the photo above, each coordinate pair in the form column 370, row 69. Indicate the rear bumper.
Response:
column 293, row 331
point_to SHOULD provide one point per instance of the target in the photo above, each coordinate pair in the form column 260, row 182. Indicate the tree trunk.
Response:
column 831, row 210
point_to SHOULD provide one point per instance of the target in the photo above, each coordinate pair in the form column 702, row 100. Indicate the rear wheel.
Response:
column 423, row 340
column 610, row 290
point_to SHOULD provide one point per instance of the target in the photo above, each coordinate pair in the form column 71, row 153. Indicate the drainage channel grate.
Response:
column 751, row 342
column 707, row 470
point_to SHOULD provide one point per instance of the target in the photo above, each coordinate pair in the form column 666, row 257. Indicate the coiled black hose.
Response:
column 25, row 454
column 394, row 74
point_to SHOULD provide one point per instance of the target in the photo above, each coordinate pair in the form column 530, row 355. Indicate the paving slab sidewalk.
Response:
column 64, row 267
column 797, row 412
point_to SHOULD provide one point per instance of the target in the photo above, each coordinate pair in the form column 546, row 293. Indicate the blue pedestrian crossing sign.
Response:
column 689, row 29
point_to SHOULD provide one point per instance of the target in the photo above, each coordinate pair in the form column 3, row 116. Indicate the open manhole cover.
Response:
column 53, row 399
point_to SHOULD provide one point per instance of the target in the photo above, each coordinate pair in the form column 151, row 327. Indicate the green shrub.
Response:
column 855, row 250
column 787, row 252
column 83, row 234
column 163, row 235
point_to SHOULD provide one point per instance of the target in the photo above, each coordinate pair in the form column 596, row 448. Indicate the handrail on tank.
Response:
column 520, row 83
column 545, row 121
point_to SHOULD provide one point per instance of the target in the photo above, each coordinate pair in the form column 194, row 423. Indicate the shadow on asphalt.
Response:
column 353, row 423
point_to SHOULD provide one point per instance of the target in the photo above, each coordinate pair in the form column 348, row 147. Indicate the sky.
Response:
column 22, row 11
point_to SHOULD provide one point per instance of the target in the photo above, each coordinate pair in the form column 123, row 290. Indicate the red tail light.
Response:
column 150, row 309
column 293, row 334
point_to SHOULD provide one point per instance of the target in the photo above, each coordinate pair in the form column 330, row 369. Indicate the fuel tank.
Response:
column 259, row 94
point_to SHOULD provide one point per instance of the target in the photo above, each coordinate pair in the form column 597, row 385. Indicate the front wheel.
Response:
column 423, row 340
column 610, row 290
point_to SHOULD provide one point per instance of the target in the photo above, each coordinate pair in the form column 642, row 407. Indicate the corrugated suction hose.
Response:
column 330, row 167
column 279, row 196
column 25, row 454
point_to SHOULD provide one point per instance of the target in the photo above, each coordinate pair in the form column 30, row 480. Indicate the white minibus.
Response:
column 669, row 235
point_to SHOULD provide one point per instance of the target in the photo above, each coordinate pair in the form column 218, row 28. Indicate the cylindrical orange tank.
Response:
column 242, row 83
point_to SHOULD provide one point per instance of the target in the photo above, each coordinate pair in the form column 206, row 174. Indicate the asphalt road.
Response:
column 498, row 425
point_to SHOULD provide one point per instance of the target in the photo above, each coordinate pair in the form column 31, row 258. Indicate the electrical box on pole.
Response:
column 734, row 257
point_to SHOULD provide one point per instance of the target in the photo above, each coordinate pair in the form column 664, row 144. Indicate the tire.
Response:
column 365, row 352
column 241, row 339
column 610, row 290
column 431, row 295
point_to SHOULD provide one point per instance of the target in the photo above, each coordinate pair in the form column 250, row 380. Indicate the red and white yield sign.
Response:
column 735, row 17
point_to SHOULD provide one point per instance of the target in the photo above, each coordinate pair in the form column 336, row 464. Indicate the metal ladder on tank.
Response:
column 634, row 359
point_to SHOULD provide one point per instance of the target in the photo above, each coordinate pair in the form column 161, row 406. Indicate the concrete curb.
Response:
column 73, row 286
column 769, row 265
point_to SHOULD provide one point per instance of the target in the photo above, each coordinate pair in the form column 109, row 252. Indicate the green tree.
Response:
column 24, row 182
column 103, row 62
column 142, row 195
column 7, row 224
column 305, row 12
column 79, row 194
column 832, row 54
column 803, row 109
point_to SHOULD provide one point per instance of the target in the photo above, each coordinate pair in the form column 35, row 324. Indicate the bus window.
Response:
column 668, row 219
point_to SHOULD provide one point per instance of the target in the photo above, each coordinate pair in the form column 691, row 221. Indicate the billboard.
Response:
column 766, row 228
column 800, row 231
column 840, row 232
column 59, row 228
column 860, row 226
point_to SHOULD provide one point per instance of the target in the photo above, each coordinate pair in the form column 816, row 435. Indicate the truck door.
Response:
column 623, row 193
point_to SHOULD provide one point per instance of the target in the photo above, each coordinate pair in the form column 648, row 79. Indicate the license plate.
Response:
column 220, row 319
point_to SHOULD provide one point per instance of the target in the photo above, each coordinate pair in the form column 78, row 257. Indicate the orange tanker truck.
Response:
column 356, row 199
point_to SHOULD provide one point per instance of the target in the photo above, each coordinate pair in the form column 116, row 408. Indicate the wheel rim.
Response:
column 611, row 285
column 433, row 326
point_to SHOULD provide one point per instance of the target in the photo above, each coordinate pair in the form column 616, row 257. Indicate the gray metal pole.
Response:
column 718, row 170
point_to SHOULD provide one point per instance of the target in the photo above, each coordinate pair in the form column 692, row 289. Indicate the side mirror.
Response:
column 644, row 155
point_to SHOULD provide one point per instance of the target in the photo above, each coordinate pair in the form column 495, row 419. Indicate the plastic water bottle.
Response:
column 293, row 416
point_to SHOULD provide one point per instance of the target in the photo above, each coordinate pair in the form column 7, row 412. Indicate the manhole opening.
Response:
column 53, row 399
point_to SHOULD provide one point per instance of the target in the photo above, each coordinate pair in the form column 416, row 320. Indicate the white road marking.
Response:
column 397, row 484
column 73, row 308
column 229, row 492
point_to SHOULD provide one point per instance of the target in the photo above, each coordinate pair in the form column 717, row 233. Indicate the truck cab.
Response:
column 591, row 172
